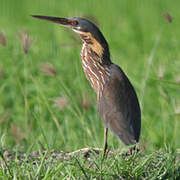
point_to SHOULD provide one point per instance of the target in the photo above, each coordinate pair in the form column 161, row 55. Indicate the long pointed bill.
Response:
column 62, row 21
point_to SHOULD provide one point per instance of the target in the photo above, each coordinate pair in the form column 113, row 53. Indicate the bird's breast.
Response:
column 96, row 74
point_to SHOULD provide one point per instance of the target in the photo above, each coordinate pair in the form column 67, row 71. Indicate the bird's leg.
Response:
column 105, row 140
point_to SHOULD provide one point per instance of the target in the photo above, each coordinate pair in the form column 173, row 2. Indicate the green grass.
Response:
column 157, row 165
column 141, row 41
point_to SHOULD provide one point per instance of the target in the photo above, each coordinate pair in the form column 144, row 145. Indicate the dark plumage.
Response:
column 119, row 107
column 116, row 98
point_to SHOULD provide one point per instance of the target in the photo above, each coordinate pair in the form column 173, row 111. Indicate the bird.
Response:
column 117, row 101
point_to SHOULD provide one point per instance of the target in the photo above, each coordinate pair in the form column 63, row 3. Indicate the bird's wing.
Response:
column 119, row 107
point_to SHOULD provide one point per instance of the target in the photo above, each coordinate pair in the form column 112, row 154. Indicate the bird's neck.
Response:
column 98, row 45
column 96, row 69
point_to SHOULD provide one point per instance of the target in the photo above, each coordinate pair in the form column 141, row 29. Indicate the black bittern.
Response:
column 117, row 101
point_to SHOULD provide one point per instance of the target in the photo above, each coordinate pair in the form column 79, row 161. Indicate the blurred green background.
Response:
column 45, row 99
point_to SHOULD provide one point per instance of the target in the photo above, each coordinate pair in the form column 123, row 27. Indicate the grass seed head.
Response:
column 48, row 69
column 25, row 41
column 168, row 17
column 3, row 39
column 60, row 102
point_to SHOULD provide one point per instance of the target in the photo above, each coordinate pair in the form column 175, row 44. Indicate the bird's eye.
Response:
column 74, row 23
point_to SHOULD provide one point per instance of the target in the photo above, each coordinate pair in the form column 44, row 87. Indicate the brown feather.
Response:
column 119, row 107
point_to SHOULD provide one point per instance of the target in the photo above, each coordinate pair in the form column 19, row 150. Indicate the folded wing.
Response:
column 119, row 107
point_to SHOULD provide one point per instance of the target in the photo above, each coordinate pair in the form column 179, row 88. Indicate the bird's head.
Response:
column 87, row 31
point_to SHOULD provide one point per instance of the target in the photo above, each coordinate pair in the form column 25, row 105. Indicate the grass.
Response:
column 46, row 102
column 157, row 165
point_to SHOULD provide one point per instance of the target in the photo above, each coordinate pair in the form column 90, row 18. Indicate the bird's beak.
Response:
column 63, row 21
